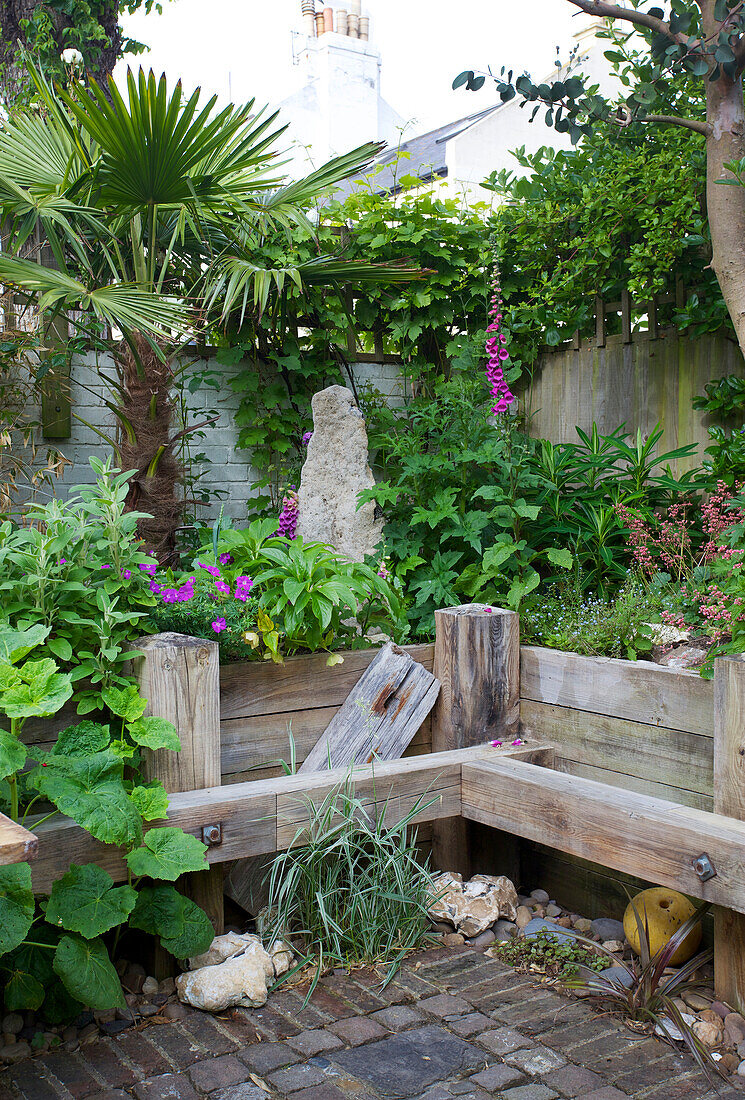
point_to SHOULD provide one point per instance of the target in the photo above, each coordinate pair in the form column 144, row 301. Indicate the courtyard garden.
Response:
column 418, row 772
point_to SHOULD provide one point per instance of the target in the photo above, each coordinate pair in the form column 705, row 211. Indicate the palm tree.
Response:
column 155, row 211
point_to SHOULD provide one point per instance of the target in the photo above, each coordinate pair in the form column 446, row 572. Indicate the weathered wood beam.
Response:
column 656, row 840
column 16, row 843
column 729, row 799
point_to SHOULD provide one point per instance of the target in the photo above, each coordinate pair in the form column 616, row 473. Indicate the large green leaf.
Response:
column 125, row 702
column 15, row 644
column 16, row 905
column 82, row 740
column 85, row 900
column 167, row 853
column 23, row 991
column 12, row 754
column 154, row 733
column 151, row 800
column 39, row 692
column 184, row 929
column 89, row 789
column 87, row 973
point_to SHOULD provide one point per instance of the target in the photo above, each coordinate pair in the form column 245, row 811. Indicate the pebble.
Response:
column 16, row 1052
column 539, row 925
column 153, row 1010
column 12, row 1023
column 134, row 977
column 618, row 975
column 582, row 924
column 734, row 1026
column 442, row 926
column 709, row 1034
column 729, row 1062
column 132, row 999
column 524, row 916
column 741, row 1049
column 540, row 896
column 484, row 939
column 105, row 1015
column 608, row 929
column 696, row 1001
column 175, row 1011
column 553, row 910
column 9, row 1037
column 613, row 945
column 90, row 1031
column 71, row 1045
column 150, row 986
column 741, row 1069
column 565, row 922
column 504, row 930
column 167, row 986
column 720, row 1008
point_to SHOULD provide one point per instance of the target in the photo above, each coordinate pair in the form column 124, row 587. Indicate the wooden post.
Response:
column 729, row 799
column 180, row 678
column 477, row 661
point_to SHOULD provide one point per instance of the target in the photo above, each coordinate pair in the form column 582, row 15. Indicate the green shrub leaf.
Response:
column 87, row 973
column 12, row 754
column 23, row 991
column 89, row 789
column 16, row 905
column 184, row 928
column 150, row 800
column 82, row 740
column 167, row 853
column 155, row 733
column 15, row 644
column 126, row 702
column 85, row 900
column 562, row 558
column 39, row 692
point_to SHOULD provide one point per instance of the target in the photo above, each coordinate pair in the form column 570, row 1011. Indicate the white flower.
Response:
column 72, row 57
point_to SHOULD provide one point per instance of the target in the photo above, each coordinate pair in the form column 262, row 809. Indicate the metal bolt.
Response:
column 212, row 835
column 704, row 868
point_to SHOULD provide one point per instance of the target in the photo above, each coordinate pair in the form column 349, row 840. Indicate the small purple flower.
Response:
column 221, row 586
column 151, row 569
column 289, row 515
column 307, row 436
column 155, row 587
column 170, row 595
column 63, row 561
column 106, row 567
column 518, row 741
column 126, row 573
column 496, row 744
column 218, row 625
column 225, row 559
column 243, row 586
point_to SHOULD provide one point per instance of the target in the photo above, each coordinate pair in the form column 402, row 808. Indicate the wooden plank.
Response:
column 477, row 659
column 16, row 843
column 253, row 688
column 381, row 714
column 246, row 811
column 633, row 783
column 664, row 756
column 729, row 798
column 638, row 690
column 378, row 719
column 642, row 836
column 180, row 678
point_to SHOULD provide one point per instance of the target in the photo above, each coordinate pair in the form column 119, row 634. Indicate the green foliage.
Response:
column 184, row 929
column 724, row 400
column 351, row 887
column 86, row 971
column 16, row 905
column 86, row 901
column 544, row 953
column 167, row 853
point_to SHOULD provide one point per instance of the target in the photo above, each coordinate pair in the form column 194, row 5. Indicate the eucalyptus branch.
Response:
column 695, row 124
column 640, row 18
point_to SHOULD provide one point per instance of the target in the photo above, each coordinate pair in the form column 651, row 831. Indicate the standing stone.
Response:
column 336, row 470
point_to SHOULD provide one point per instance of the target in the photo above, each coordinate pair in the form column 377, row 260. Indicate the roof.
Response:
column 426, row 153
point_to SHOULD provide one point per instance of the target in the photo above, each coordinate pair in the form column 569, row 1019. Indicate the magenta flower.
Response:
column 225, row 559
column 149, row 569
column 126, row 573
column 218, row 625
column 307, row 436
column 170, row 595
column 497, row 354
column 155, row 587
column 496, row 744
column 106, row 567
column 221, row 586
column 289, row 515
column 243, row 586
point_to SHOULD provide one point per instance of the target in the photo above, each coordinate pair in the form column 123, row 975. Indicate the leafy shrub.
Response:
column 545, row 953
column 724, row 399
column 55, row 953
column 351, row 888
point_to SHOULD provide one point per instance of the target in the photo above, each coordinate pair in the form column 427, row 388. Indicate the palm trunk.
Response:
column 145, row 446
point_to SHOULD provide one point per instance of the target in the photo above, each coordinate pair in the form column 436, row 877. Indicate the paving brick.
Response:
column 71, row 1071
column 533, row 1091
column 292, row 1006
column 30, row 1081
column 264, row 1057
column 645, row 1074
column 503, row 1040
column 398, row 1017
column 218, row 1073
column 102, row 1059
column 497, row 1077
column 608, row 1092
column 113, row 1094
column 295, row 1078
column 274, row 1025
column 363, row 1000
column 571, row 1035
column 415, row 987
column 474, row 1023
column 687, row 1088
column 135, row 1046
column 169, row 1086
column 573, row 1080
column 357, row 1030
column 444, row 1005
column 331, row 1004
column 178, row 1044
column 246, row 1091
column 326, row 1091
column 535, row 1061
column 310, row 1043
column 541, row 1011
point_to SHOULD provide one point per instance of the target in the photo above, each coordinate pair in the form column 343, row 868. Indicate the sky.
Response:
column 241, row 49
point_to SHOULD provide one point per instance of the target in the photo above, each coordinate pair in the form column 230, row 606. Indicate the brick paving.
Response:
column 453, row 1024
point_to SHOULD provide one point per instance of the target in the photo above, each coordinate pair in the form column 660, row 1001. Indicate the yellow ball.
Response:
column 663, row 911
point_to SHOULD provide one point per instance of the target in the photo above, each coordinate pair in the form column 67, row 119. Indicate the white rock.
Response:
column 235, row 971
column 336, row 470
column 222, row 948
column 662, row 634
column 474, row 906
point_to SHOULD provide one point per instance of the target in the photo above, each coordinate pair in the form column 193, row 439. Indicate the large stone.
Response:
column 238, row 980
column 548, row 928
column 608, row 929
column 336, row 470
column 474, row 906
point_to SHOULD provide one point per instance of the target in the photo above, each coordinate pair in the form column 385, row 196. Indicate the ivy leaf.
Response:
column 150, row 800
column 89, row 789
column 154, row 733
column 82, row 740
column 12, row 754
column 87, row 973
column 183, row 927
column 15, row 644
column 167, row 853
column 16, row 905
column 23, row 991
column 85, row 900
column 126, row 703
column 562, row 558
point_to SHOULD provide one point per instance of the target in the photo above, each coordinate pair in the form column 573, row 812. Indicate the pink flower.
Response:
column 307, row 436
column 221, row 586
column 149, row 569
column 289, row 515
column 218, row 625
column 126, row 573
column 225, row 559
column 497, row 354
column 496, row 744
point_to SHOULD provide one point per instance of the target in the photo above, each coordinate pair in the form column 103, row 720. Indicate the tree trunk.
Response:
column 146, row 446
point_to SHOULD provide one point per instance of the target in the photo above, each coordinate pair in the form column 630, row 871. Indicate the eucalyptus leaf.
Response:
column 167, row 853
column 85, row 900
